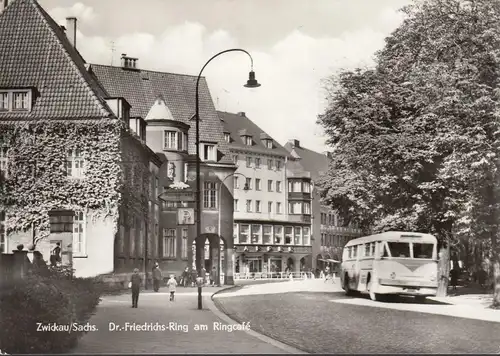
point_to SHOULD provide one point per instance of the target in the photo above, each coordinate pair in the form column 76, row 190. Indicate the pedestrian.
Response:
column 213, row 276
column 55, row 255
column 156, row 277
column 135, row 284
column 185, row 277
column 172, row 284
column 204, row 275
column 327, row 274
column 194, row 274
column 454, row 277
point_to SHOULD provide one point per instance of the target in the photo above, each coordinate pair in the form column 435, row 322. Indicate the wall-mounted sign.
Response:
column 185, row 216
column 177, row 195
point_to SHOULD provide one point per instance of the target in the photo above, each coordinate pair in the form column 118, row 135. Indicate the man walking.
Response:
column 135, row 281
column 156, row 277
column 213, row 277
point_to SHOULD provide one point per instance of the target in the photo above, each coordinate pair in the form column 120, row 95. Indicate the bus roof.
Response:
column 394, row 236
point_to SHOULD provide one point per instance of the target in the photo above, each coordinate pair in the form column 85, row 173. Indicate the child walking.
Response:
column 172, row 284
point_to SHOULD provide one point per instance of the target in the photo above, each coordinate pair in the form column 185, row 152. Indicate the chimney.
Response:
column 129, row 62
column 242, row 114
column 71, row 30
column 63, row 28
column 294, row 143
column 5, row 3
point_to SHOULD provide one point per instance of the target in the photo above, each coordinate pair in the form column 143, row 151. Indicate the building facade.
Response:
column 272, row 231
column 166, row 102
column 329, row 232
column 68, row 154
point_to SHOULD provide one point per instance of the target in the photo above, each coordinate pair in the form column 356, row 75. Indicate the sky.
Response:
column 295, row 45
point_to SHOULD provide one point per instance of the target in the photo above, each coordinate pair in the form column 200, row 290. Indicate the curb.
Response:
column 216, row 309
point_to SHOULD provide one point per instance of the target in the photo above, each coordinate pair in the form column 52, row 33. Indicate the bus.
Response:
column 391, row 263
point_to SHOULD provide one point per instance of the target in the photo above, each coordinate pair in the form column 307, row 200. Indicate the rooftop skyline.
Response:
column 295, row 44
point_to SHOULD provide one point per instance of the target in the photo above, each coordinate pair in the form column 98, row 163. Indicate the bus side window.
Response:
column 385, row 253
column 349, row 252
column 355, row 251
column 372, row 247
column 367, row 250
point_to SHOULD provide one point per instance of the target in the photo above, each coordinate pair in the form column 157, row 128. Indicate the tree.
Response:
column 412, row 135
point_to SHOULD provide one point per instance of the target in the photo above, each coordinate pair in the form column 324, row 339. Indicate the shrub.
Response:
column 53, row 297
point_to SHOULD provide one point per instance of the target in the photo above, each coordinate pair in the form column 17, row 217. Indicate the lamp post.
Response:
column 251, row 83
column 245, row 188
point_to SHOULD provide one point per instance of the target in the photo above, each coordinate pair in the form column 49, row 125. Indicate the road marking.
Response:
column 459, row 311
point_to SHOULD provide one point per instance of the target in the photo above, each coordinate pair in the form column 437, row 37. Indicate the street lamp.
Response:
column 245, row 188
column 251, row 83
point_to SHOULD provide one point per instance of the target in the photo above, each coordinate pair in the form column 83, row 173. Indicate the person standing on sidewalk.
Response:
column 213, row 276
column 135, row 281
column 156, row 277
column 185, row 277
column 172, row 284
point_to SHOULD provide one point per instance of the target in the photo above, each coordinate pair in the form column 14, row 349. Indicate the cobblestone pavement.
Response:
column 116, row 311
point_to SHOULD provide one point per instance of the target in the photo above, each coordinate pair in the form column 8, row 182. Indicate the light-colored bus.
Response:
column 391, row 263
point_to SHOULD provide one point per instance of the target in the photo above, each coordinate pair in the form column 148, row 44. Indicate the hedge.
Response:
column 43, row 299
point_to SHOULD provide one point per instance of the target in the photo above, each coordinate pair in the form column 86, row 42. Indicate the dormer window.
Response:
column 248, row 140
column 15, row 100
column 227, row 137
column 209, row 152
column 269, row 143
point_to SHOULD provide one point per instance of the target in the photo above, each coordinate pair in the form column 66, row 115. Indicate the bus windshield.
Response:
column 399, row 249
column 421, row 250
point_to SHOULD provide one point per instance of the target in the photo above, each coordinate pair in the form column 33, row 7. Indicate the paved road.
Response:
column 154, row 308
column 333, row 323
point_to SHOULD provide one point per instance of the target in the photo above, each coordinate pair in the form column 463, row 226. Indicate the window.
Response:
column 278, row 235
column 399, row 249
column 4, row 101
column 306, row 235
column 61, row 221
column 278, row 208
column 306, row 187
column 132, row 237
column 184, row 246
column 256, row 234
column 269, row 185
column 235, row 233
column 236, row 205
column 278, row 186
column 270, row 164
column 244, row 233
column 79, row 234
column 422, row 250
column 236, row 182
column 257, row 206
column 121, row 242
column 75, row 164
column 156, row 188
column 248, row 140
column 169, row 242
column 249, row 161
column 249, row 206
column 307, row 208
column 322, row 239
column 269, row 143
column 170, row 140
column 209, row 153
column 4, row 161
column 235, row 159
column 227, row 137
column 257, row 162
column 20, row 100
column 140, row 224
column 209, row 195
column 296, row 186
column 3, row 248
column 267, row 234
column 257, row 184
column 297, row 234
column 269, row 206
column 294, row 208
column 288, row 235
column 278, row 165
column 248, row 183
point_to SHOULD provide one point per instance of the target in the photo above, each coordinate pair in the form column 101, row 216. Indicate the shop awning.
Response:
column 329, row 260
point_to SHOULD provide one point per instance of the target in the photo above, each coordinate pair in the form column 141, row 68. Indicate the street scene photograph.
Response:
column 249, row 177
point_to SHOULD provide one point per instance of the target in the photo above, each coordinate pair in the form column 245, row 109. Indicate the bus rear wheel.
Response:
column 420, row 298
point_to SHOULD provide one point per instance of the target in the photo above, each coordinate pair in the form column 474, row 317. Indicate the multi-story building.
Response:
column 271, row 202
column 329, row 231
column 166, row 102
column 72, row 170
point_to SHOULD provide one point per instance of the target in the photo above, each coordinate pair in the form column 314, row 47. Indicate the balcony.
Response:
column 299, row 218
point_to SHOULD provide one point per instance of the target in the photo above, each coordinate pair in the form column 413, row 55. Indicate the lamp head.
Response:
column 252, row 82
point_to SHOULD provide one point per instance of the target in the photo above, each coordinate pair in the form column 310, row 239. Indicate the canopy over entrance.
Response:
column 329, row 260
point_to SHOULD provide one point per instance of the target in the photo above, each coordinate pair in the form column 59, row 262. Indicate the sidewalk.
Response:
column 180, row 318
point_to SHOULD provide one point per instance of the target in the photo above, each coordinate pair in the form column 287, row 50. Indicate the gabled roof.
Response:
column 141, row 88
column 159, row 111
column 238, row 125
column 35, row 52
column 312, row 161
